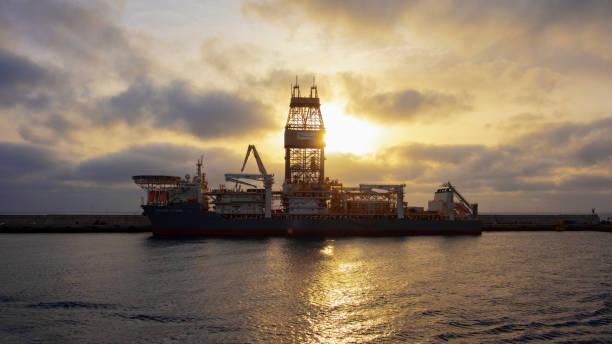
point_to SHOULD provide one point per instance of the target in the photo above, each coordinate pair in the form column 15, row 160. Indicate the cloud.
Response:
column 408, row 105
column 81, row 79
column 384, row 11
column 403, row 105
column 582, row 144
column 37, row 179
column 82, row 37
column 79, row 70
column 56, row 57
column 571, row 156
column 535, row 170
column 458, row 14
column 158, row 158
column 23, row 82
column 591, row 181
column 564, row 35
column 20, row 160
column 180, row 107
column 230, row 60
column 364, row 19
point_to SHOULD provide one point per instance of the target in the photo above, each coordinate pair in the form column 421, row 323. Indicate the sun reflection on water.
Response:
column 341, row 292
column 328, row 250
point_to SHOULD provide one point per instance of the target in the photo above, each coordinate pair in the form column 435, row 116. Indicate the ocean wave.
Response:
column 71, row 304
column 159, row 318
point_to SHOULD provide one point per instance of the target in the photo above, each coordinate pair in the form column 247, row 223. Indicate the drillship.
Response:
column 309, row 204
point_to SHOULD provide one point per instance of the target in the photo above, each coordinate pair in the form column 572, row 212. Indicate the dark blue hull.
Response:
column 189, row 219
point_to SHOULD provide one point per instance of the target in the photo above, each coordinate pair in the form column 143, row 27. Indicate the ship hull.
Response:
column 189, row 220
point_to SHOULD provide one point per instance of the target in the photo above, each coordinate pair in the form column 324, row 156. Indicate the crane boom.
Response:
column 257, row 177
column 229, row 178
column 260, row 164
column 472, row 207
column 267, row 179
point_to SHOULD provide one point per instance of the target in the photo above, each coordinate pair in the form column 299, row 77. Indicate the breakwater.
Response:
column 73, row 223
column 101, row 223
column 559, row 222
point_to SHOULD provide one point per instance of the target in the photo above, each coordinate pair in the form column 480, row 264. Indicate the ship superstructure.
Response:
column 308, row 203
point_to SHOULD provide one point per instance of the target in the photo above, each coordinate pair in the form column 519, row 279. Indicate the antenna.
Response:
column 294, row 88
column 314, row 87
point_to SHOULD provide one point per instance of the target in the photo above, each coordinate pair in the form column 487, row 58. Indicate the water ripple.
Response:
column 498, row 287
column 71, row 304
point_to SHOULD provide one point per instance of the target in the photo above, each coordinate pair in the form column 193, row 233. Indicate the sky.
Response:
column 509, row 100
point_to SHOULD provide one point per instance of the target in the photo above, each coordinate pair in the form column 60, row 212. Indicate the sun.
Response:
column 348, row 134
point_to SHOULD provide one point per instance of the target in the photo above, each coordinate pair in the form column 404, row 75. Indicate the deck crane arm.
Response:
column 256, row 177
column 234, row 179
column 268, row 179
column 260, row 164
column 472, row 207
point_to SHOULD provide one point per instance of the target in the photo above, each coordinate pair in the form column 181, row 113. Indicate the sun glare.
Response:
column 348, row 134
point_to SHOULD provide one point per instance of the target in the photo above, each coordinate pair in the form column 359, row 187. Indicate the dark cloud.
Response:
column 571, row 156
column 34, row 179
column 409, row 105
column 53, row 57
column 83, row 46
column 51, row 128
column 83, row 35
column 405, row 105
column 180, row 107
column 537, row 15
column 159, row 158
column 20, row 197
column 56, row 55
column 595, row 150
column 537, row 169
column 591, row 181
column 23, row 82
column 449, row 154
column 584, row 144
column 18, row 160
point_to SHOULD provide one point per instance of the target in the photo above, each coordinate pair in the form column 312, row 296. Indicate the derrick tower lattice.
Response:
column 305, row 154
column 304, row 145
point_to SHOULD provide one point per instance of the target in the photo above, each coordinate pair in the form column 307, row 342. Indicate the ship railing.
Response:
column 424, row 217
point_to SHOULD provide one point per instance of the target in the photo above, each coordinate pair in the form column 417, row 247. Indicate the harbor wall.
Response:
column 542, row 222
column 138, row 223
column 539, row 219
column 74, row 223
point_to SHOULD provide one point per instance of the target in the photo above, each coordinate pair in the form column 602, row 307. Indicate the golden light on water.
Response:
column 328, row 250
column 348, row 134
column 340, row 289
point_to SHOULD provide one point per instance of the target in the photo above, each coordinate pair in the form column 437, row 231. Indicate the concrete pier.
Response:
column 559, row 222
column 139, row 223
column 73, row 223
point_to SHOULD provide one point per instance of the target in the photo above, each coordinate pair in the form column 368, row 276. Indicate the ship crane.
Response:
column 263, row 176
column 229, row 177
column 398, row 189
column 472, row 207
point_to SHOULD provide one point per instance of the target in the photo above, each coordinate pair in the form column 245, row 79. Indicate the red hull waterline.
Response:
column 303, row 232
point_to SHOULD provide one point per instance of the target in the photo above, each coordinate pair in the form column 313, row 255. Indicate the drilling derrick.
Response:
column 305, row 190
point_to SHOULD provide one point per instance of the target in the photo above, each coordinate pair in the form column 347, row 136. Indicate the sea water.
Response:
column 132, row 288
